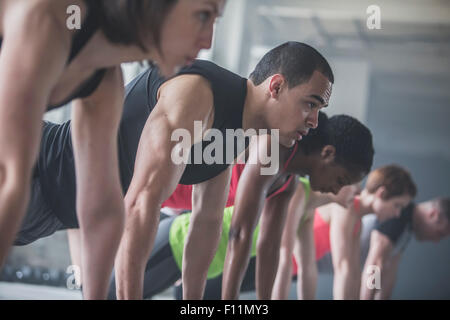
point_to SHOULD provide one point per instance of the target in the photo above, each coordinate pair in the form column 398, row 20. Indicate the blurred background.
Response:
column 395, row 79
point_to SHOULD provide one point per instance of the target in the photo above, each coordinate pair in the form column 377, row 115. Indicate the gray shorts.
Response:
column 39, row 220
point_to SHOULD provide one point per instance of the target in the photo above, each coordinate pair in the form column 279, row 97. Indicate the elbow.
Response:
column 143, row 199
column 105, row 210
column 379, row 264
column 239, row 235
column 285, row 256
column 343, row 267
column 268, row 247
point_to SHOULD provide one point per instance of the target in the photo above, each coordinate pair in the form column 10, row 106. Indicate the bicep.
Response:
column 212, row 194
column 168, row 135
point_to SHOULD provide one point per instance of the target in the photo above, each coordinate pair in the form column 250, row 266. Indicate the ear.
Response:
column 328, row 153
column 381, row 192
column 276, row 84
column 433, row 213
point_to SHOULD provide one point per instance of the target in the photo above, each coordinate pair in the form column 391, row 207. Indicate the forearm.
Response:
column 345, row 285
column 283, row 278
column 101, row 227
column 198, row 255
column 388, row 277
column 307, row 282
column 142, row 219
column 366, row 293
column 266, row 271
column 236, row 263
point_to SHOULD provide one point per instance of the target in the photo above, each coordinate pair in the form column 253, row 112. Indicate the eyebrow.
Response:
column 215, row 8
column 319, row 98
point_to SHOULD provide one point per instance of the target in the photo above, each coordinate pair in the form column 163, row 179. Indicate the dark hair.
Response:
column 396, row 180
column 443, row 205
column 296, row 61
column 132, row 22
column 351, row 139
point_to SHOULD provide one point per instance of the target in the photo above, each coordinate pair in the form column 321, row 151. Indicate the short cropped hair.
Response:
column 351, row 139
column 443, row 205
column 296, row 61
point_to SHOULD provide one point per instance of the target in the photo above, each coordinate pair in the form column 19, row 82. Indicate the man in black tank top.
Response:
column 285, row 92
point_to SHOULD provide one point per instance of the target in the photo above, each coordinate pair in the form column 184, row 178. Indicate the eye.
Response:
column 204, row 16
column 312, row 105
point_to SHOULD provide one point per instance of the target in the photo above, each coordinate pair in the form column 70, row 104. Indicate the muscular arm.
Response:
column 345, row 264
column 100, row 208
column 379, row 256
column 32, row 58
column 205, row 229
column 269, row 240
column 250, row 197
column 284, row 273
column 182, row 101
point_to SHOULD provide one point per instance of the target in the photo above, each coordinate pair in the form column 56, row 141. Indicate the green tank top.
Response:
column 178, row 233
column 179, row 230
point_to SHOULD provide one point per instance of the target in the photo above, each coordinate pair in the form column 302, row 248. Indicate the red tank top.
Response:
column 181, row 198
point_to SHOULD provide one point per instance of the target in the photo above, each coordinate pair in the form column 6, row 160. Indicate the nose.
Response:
column 207, row 37
column 313, row 120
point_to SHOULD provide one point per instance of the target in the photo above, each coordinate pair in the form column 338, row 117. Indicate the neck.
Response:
column 253, row 116
column 321, row 199
column 365, row 203
column 300, row 164
column 105, row 54
column 418, row 210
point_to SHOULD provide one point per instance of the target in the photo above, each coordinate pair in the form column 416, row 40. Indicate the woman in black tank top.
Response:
column 72, row 49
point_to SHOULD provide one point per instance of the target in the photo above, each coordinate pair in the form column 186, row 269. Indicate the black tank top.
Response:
column 80, row 39
column 55, row 168
column 229, row 92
